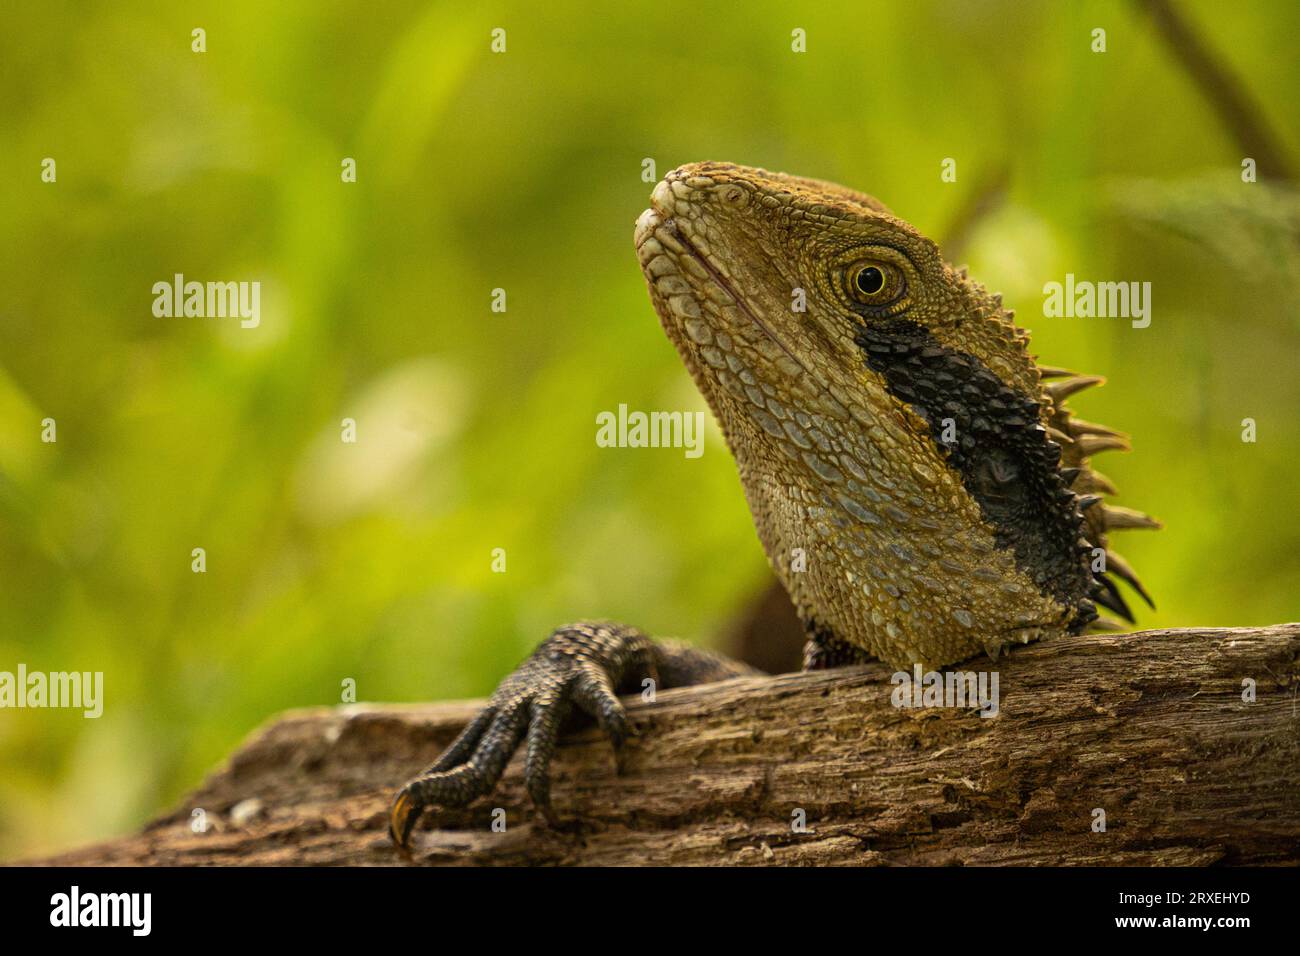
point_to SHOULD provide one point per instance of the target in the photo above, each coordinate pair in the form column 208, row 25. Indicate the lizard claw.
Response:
column 400, row 818
column 577, row 665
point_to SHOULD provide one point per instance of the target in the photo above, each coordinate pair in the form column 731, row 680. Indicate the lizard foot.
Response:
column 580, row 664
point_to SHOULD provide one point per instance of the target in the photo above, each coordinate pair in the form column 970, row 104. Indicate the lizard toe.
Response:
column 593, row 692
column 546, row 716
column 491, row 739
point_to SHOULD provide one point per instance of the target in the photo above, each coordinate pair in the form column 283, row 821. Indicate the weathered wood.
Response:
column 1149, row 727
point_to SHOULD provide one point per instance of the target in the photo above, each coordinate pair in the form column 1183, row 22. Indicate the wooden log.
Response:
column 1150, row 728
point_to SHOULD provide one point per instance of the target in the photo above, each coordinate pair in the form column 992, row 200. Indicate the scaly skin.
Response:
column 886, row 419
column 586, row 664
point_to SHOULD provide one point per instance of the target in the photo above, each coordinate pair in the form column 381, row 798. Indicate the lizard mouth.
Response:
column 653, row 222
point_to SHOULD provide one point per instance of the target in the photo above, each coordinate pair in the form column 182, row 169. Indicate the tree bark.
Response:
column 1149, row 728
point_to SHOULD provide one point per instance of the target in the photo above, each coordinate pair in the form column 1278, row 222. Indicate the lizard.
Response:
column 885, row 416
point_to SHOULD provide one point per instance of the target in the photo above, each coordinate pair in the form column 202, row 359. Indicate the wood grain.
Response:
column 1150, row 727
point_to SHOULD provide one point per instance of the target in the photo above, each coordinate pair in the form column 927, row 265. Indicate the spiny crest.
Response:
column 1079, row 441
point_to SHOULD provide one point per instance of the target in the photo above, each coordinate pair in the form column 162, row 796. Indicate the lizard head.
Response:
column 801, row 268
column 883, row 409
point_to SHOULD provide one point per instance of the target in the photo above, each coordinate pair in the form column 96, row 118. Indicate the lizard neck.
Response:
column 863, row 542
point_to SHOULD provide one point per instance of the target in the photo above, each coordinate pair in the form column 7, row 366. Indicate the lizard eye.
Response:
column 869, row 281
column 875, row 283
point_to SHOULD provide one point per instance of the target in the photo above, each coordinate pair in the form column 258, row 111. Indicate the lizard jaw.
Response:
column 670, row 225
column 658, row 236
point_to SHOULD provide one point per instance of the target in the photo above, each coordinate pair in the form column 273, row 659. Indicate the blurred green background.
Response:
column 522, row 170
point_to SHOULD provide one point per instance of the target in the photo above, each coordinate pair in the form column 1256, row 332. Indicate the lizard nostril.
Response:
column 732, row 195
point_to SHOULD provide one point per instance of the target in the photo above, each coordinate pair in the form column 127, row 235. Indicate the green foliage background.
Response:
column 371, row 561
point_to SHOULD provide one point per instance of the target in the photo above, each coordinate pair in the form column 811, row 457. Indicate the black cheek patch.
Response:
column 998, row 446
